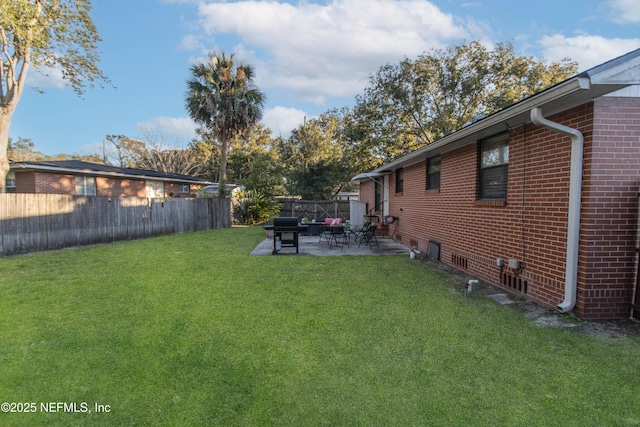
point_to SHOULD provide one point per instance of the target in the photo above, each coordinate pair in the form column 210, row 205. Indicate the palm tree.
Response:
column 223, row 98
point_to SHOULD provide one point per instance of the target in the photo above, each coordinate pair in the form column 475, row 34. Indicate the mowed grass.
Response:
column 189, row 330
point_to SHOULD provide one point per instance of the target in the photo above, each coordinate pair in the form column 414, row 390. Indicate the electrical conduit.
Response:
column 575, row 197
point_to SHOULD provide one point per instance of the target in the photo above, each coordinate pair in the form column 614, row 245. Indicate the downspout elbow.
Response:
column 575, row 198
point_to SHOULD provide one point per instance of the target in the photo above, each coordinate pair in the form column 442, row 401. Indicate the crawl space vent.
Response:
column 516, row 283
column 459, row 261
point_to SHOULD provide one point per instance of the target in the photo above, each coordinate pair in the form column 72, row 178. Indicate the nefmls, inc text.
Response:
column 53, row 407
column 75, row 407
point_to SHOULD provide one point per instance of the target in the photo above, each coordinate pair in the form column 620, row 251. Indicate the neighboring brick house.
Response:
column 78, row 178
column 562, row 221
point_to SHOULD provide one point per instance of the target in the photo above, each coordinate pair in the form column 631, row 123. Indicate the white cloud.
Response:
column 46, row 78
column 316, row 50
column 587, row 50
column 182, row 127
column 626, row 11
column 282, row 120
column 191, row 42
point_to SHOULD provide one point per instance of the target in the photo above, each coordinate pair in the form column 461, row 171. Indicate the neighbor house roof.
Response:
column 87, row 168
column 607, row 78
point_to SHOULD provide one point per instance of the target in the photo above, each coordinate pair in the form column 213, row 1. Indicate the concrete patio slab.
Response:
column 310, row 245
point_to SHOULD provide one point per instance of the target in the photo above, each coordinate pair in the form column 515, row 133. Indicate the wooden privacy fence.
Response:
column 39, row 222
column 316, row 209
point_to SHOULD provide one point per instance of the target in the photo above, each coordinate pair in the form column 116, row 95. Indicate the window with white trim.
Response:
column 494, row 165
column 85, row 185
column 10, row 183
column 155, row 189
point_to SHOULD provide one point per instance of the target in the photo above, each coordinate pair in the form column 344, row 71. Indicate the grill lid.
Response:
column 285, row 221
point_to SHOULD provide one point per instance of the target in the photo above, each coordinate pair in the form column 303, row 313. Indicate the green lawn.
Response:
column 189, row 330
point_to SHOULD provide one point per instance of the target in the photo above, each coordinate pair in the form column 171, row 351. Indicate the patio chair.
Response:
column 327, row 225
column 325, row 233
column 338, row 236
column 369, row 237
column 358, row 233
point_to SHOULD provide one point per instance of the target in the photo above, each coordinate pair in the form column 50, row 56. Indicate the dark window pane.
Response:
column 495, row 153
column 494, row 183
column 434, row 181
column 399, row 180
column 434, row 173
column 434, row 165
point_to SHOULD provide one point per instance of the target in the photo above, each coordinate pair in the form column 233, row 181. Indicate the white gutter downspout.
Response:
column 575, row 198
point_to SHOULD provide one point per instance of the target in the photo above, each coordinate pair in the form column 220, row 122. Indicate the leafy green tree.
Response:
column 253, row 160
column 415, row 102
column 124, row 152
column 207, row 152
column 23, row 151
column 266, row 175
column 50, row 34
column 223, row 97
column 92, row 158
column 255, row 163
column 314, row 154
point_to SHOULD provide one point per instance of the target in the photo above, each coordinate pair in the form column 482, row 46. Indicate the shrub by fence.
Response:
column 39, row 222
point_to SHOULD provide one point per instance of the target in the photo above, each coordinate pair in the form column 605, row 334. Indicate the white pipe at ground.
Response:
column 469, row 288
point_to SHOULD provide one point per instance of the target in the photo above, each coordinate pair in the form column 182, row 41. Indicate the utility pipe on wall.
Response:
column 575, row 198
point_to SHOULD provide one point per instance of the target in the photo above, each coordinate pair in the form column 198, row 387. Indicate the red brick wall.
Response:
column 367, row 193
column 25, row 182
column 610, row 206
column 531, row 226
column 120, row 187
column 53, row 183
column 172, row 189
column 45, row 183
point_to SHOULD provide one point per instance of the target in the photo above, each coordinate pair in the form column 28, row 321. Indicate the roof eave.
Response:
column 32, row 166
column 600, row 80
column 368, row 176
column 500, row 118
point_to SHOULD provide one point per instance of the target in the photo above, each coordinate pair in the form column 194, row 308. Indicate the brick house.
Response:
column 78, row 178
column 539, row 199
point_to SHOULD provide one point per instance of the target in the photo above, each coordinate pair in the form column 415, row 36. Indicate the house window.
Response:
column 10, row 183
column 494, row 162
column 184, row 188
column 399, row 180
column 155, row 189
column 378, row 197
column 85, row 185
column 433, row 173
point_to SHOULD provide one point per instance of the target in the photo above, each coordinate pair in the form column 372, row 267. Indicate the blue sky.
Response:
column 309, row 56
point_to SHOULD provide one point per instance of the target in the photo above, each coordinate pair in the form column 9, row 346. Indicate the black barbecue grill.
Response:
column 285, row 232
